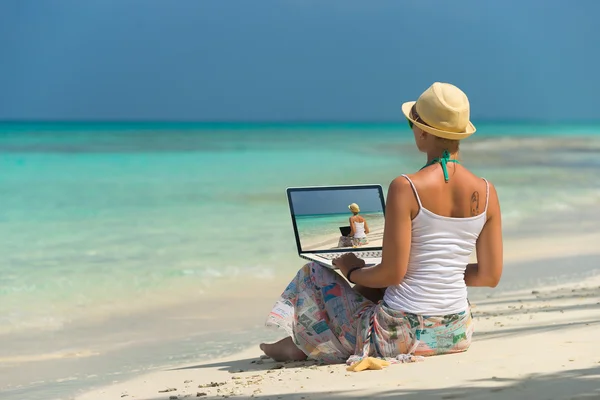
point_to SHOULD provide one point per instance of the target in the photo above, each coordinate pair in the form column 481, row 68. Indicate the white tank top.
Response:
column 359, row 230
column 440, row 249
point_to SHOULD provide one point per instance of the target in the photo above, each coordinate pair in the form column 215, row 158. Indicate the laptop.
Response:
column 320, row 218
column 345, row 230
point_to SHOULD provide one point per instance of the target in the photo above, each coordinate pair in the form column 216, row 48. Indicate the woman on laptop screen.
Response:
column 414, row 303
column 359, row 229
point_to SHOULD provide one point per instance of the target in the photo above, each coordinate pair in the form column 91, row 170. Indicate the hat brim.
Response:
column 407, row 107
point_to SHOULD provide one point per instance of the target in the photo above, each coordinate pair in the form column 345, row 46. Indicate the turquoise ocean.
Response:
column 102, row 219
column 95, row 216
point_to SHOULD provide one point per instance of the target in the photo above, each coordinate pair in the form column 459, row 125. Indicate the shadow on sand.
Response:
column 250, row 365
column 569, row 384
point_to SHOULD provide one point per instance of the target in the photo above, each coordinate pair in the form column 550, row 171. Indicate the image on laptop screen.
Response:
column 322, row 217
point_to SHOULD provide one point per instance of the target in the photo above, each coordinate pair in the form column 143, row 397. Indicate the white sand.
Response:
column 530, row 345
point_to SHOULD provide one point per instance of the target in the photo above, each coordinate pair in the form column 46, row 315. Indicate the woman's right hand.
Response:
column 347, row 262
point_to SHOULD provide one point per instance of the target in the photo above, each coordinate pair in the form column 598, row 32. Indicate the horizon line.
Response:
column 279, row 121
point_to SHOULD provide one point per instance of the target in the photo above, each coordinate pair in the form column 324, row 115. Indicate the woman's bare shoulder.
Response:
column 400, row 182
column 400, row 188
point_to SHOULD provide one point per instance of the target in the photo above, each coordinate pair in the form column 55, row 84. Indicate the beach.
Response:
column 134, row 252
column 539, row 344
column 535, row 342
column 535, row 338
column 332, row 240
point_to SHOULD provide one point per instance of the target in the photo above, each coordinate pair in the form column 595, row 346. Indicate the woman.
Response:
column 435, row 219
column 359, row 229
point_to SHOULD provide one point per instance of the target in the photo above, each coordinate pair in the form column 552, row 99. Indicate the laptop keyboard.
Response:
column 359, row 254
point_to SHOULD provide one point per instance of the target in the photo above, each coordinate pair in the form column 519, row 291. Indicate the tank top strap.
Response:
column 414, row 190
column 487, row 194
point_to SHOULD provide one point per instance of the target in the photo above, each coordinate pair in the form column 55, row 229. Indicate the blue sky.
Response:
column 295, row 59
column 335, row 201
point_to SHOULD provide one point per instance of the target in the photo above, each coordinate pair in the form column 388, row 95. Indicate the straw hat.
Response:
column 442, row 110
column 354, row 207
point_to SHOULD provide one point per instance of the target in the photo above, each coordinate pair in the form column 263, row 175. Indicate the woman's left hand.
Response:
column 347, row 262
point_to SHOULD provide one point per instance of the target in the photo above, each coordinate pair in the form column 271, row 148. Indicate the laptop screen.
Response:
column 337, row 218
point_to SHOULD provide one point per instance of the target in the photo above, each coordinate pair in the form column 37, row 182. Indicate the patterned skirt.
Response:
column 332, row 323
column 356, row 242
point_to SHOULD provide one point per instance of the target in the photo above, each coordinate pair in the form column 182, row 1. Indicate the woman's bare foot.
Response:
column 284, row 350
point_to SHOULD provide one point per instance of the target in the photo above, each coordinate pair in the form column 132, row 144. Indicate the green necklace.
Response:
column 443, row 160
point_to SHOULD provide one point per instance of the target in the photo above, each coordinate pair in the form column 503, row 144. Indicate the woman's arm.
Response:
column 396, row 240
column 366, row 226
column 351, row 227
column 488, row 269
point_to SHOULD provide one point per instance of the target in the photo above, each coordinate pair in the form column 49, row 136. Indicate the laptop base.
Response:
column 329, row 263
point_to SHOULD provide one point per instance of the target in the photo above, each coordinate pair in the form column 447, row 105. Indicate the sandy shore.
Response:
column 514, row 344
column 526, row 349
column 538, row 344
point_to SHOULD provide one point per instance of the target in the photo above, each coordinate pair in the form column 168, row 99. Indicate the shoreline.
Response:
column 517, row 250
